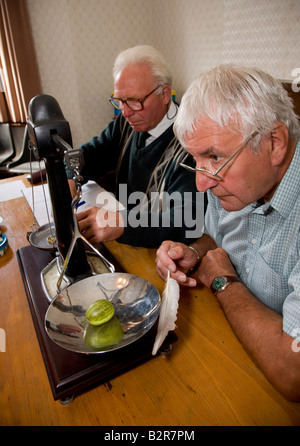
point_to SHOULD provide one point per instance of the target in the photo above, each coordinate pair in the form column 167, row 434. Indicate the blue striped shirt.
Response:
column 263, row 243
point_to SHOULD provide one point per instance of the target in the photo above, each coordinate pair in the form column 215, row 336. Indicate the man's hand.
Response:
column 99, row 225
column 178, row 259
column 215, row 263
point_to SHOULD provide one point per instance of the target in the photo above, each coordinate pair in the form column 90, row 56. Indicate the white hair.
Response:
column 236, row 97
column 144, row 55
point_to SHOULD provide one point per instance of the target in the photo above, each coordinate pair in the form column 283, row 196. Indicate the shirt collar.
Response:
column 165, row 122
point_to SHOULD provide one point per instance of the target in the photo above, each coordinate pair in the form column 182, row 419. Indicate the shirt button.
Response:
column 247, row 270
column 254, row 241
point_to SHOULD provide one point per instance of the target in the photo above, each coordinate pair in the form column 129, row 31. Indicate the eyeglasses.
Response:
column 215, row 175
column 133, row 103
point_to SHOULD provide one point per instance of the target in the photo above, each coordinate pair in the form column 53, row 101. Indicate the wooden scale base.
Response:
column 71, row 373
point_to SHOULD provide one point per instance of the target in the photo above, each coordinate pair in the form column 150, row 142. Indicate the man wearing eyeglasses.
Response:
column 139, row 151
column 239, row 125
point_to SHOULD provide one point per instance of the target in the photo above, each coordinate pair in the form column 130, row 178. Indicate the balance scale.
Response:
column 52, row 275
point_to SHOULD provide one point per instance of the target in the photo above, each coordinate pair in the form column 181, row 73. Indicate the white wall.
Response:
column 77, row 41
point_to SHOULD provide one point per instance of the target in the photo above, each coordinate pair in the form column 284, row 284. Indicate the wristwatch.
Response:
column 220, row 283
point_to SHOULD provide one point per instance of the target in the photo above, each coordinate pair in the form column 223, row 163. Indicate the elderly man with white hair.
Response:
column 239, row 125
column 140, row 154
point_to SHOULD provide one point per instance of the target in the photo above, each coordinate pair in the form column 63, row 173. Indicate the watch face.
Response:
column 219, row 282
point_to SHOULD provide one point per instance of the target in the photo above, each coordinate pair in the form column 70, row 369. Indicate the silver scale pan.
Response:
column 44, row 237
column 136, row 303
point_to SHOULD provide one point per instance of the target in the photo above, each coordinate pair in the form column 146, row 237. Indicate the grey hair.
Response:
column 144, row 55
column 236, row 97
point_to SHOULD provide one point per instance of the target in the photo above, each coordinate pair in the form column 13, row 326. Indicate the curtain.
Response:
column 18, row 66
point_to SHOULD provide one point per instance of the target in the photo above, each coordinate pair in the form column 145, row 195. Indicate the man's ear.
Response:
column 166, row 93
column 280, row 143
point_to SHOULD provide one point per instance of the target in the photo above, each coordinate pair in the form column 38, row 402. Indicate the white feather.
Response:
column 168, row 312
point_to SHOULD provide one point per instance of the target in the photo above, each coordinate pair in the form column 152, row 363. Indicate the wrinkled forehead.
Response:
column 208, row 132
column 134, row 80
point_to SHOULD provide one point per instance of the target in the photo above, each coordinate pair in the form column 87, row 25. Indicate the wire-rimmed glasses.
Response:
column 134, row 104
column 215, row 175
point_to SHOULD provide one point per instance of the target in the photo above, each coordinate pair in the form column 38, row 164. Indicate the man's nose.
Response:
column 203, row 183
column 126, row 111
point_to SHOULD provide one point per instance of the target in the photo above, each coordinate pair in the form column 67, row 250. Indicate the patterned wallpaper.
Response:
column 77, row 41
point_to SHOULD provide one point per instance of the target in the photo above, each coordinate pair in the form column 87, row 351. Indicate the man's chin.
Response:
column 231, row 204
column 137, row 127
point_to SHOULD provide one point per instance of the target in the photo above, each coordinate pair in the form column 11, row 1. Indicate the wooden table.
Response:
column 207, row 380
